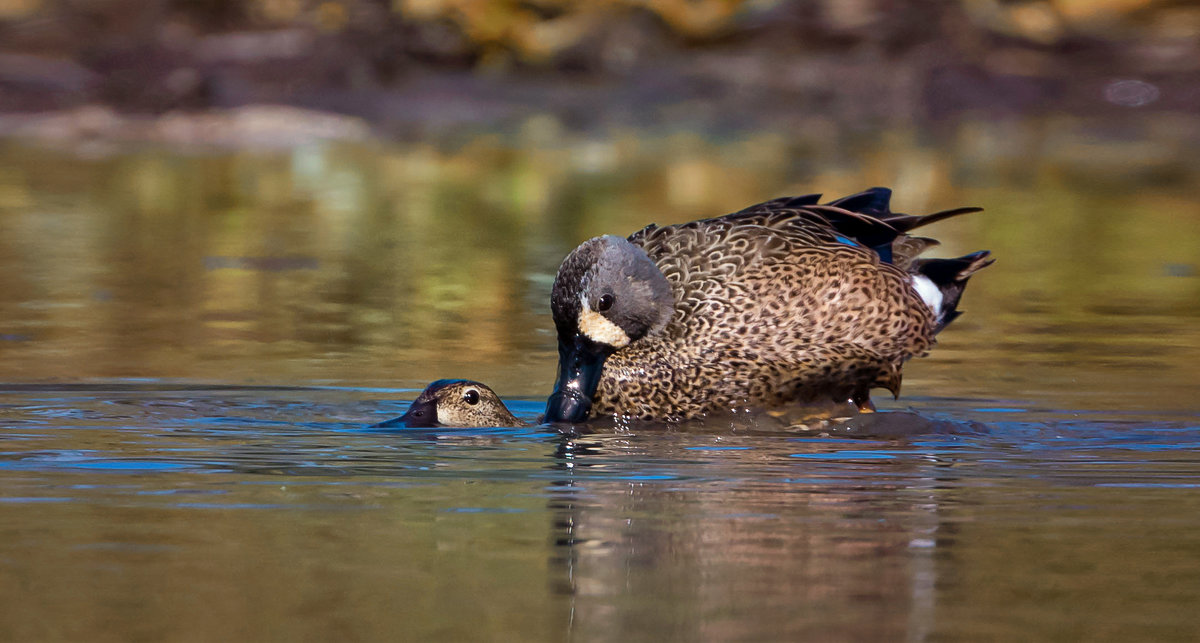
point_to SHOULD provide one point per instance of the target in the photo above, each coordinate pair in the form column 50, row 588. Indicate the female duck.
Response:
column 455, row 403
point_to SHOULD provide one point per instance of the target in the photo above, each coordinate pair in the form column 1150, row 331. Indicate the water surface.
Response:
column 193, row 344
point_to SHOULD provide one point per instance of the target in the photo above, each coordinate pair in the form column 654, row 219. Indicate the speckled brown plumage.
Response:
column 454, row 403
column 784, row 301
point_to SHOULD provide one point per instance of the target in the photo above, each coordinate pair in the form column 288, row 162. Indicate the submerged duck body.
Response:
column 785, row 301
column 455, row 403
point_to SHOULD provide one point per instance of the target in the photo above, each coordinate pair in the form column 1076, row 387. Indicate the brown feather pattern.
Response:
column 772, row 306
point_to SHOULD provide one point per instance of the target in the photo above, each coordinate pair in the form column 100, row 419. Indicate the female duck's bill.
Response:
column 455, row 403
column 785, row 301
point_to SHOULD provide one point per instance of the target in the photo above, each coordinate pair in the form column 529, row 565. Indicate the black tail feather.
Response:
column 906, row 222
column 950, row 276
column 880, row 228
column 873, row 201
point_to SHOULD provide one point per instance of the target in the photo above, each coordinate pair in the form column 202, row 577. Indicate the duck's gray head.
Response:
column 455, row 403
column 607, row 294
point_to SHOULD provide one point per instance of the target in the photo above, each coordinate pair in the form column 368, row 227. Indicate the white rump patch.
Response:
column 929, row 292
column 599, row 329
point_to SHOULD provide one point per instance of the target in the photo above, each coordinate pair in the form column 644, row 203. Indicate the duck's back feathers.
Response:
column 782, row 203
column 865, row 219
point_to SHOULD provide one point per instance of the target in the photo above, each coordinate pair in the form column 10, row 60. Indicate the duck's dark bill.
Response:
column 421, row 415
column 567, row 407
column 580, row 363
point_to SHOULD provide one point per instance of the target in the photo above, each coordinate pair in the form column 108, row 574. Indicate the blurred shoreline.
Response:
column 250, row 74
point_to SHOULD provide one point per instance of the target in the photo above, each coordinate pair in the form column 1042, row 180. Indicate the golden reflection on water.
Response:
column 293, row 560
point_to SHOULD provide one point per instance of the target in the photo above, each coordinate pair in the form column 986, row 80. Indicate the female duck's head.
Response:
column 455, row 403
column 607, row 294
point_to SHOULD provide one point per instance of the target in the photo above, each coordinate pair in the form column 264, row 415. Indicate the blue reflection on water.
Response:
column 287, row 434
column 129, row 465
column 847, row 455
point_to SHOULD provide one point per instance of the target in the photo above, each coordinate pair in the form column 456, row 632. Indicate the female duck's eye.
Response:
column 471, row 396
column 606, row 302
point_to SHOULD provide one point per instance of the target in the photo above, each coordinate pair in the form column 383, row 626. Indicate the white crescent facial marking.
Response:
column 929, row 292
column 439, row 412
column 599, row 329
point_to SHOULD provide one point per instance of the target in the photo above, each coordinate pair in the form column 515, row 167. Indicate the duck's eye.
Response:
column 605, row 302
column 471, row 396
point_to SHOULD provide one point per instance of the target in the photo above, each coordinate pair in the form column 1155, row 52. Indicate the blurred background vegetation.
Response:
column 415, row 67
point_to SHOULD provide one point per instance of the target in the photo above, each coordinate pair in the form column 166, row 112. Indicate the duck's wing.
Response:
column 775, row 223
column 866, row 218
column 876, row 202
column 782, row 203
column 863, row 219
column 767, row 254
column 748, row 215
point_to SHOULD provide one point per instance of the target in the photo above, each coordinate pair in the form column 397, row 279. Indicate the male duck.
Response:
column 784, row 301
